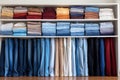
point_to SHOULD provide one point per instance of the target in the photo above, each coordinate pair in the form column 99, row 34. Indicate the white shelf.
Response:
column 114, row 36
column 54, row 20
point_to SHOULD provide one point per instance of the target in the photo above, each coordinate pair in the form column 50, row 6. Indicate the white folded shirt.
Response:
column 19, row 24
column 106, row 17
column 106, row 9
column 6, row 27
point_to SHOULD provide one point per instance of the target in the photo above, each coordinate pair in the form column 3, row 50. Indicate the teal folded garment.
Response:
column 19, row 34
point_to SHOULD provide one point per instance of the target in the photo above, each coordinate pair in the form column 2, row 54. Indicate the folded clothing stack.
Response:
column 6, row 29
column 77, row 29
column 62, row 13
column 34, row 13
column 20, row 13
column 91, row 13
column 106, row 13
column 49, row 13
column 7, row 13
column 92, row 29
column 19, row 29
column 48, row 29
column 77, row 12
column 63, row 29
column 106, row 28
column 34, row 28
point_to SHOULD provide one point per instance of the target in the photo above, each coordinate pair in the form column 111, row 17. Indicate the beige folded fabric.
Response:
column 57, row 58
column 7, row 12
column 33, row 9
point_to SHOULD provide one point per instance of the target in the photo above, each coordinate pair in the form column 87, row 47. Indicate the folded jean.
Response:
column 6, row 32
column 77, row 34
column 19, row 30
column 91, row 9
column 19, row 34
column 92, row 33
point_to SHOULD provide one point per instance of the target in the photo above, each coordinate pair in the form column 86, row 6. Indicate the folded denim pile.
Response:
column 34, row 28
column 91, row 13
column 76, row 12
column 106, row 13
column 34, row 13
column 19, row 29
column 20, row 13
column 49, row 13
column 77, row 29
column 62, row 13
column 92, row 29
column 48, row 29
column 7, row 13
column 106, row 28
column 63, row 28
column 6, row 29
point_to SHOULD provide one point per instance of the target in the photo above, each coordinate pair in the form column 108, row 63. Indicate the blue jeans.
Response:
column 73, row 58
column 2, row 58
column 30, row 67
column 41, row 70
column 15, row 59
column 47, row 56
column 102, row 58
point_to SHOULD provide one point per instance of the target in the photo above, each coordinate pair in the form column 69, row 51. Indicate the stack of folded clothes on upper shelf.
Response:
column 63, row 29
column 106, row 13
column 62, row 13
column 34, row 13
column 19, row 29
column 20, row 13
column 7, row 13
column 6, row 29
column 76, row 12
column 106, row 28
column 77, row 29
column 92, row 29
column 91, row 13
column 34, row 28
column 49, row 13
column 48, row 29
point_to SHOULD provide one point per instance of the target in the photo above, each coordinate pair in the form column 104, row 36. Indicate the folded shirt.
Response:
column 6, row 27
column 7, row 12
column 35, row 9
column 20, row 10
column 92, row 9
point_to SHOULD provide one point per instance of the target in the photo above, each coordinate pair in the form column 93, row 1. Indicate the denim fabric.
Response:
column 25, row 47
column 10, row 46
column 6, row 32
column 91, row 9
column 7, row 66
column 92, row 33
column 102, row 58
column 48, row 28
column 52, row 57
column 38, row 55
column 35, row 58
column 2, row 59
column 85, row 57
column 41, row 71
column 19, row 34
column 63, row 28
column 29, row 57
column 47, row 56
column 20, row 58
column 20, row 30
column 73, row 57
column 15, row 58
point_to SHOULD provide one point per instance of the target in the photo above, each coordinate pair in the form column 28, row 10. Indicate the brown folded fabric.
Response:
column 34, row 13
column 61, row 56
column 35, row 10
column 91, row 13
column 57, row 58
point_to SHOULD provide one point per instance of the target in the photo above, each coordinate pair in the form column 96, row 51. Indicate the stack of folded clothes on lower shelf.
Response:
column 62, row 13
column 20, row 13
column 92, row 29
column 34, row 13
column 76, row 12
column 106, row 13
column 19, row 29
column 106, row 28
column 7, row 13
column 77, row 29
column 6, row 29
column 34, row 28
column 91, row 13
column 49, row 13
column 48, row 29
column 63, row 29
